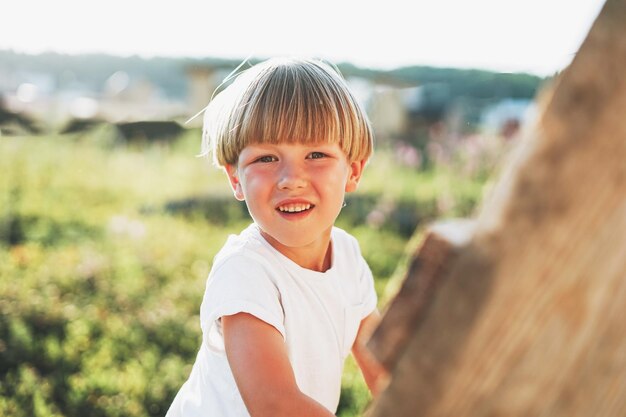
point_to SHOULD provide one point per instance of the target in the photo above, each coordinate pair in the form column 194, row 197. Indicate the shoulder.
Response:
column 343, row 237
column 244, row 249
column 242, row 264
column 345, row 242
column 348, row 254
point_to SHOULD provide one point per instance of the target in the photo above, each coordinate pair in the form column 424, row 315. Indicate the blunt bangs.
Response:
column 286, row 101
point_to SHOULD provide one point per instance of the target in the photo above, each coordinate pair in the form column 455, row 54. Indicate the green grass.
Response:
column 104, row 253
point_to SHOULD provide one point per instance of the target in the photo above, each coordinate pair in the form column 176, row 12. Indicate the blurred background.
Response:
column 109, row 222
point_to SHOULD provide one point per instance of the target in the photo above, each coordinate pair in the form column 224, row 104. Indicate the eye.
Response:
column 317, row 155
column 266, row 159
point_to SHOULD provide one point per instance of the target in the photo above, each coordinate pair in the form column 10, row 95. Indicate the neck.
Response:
column 316, row 256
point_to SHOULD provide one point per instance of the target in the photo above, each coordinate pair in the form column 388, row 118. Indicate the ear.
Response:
column 356, row 170
column 233, row 178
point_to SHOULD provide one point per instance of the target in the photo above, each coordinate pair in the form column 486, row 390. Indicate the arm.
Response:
column 258, row 358
column 375, row 375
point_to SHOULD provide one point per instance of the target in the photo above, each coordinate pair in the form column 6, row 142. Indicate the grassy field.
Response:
column 104, row 253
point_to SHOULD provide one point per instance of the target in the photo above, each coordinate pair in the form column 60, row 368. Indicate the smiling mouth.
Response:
column 294, row 208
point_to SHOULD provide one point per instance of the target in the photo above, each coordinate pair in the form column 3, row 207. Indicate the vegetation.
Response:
column 104, row 253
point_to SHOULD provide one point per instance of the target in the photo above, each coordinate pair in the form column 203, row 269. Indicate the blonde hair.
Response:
column 286, row 100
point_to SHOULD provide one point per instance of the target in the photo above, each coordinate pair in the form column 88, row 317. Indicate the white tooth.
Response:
column 294, row 208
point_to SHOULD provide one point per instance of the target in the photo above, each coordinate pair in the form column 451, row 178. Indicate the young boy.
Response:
column 291, row 296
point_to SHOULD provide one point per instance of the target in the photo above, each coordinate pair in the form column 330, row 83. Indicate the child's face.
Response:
column 294, row 192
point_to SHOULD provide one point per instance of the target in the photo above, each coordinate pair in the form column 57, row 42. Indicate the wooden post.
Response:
column 527, row 316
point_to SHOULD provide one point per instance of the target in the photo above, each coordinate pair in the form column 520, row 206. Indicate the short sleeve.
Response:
column 239, row 284
column 367, row 298
column 367, row 291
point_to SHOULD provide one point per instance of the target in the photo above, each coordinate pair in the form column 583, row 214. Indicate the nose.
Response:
column 292, row 176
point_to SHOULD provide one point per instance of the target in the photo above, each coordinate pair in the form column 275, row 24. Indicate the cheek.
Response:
column 333, row 183
column 336, row 171
column 337, row 176
column 256, row 181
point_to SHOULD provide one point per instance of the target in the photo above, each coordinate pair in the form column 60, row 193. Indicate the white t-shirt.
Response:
column 317, row 313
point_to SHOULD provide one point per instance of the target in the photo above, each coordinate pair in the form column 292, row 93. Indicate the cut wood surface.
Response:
column 527, row 318
column 440, row 247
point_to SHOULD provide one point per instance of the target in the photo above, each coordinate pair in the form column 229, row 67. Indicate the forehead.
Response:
column 286, row 147
column 304, row 138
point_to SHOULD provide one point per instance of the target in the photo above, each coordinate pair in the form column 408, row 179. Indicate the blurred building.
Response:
column 506, row 117
column 403, row 109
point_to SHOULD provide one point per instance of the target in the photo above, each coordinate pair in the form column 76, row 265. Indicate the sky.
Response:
column 534, row 36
